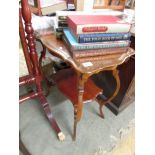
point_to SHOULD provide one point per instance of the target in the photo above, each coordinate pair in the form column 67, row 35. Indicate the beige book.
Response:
column 48, row 8
column 53, row 8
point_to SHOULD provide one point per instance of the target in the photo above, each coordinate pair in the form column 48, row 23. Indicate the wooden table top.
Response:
column 89, row 66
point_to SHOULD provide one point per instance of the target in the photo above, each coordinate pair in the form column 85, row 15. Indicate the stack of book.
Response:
column 96, row 35
column 61, row 19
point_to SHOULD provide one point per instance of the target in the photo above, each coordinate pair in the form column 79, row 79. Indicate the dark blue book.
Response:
column 101, row 37
column 74, row 45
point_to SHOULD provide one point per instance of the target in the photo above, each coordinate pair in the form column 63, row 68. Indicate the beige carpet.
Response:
column 125, row 145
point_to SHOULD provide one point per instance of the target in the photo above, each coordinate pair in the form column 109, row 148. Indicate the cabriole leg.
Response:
column 75, row 122
column 78, row 106
column 102, row 102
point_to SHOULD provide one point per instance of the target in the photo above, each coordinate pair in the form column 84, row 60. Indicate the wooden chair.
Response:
column 34, row 73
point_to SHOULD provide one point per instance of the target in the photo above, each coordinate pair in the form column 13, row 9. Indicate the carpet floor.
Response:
column 95, row 136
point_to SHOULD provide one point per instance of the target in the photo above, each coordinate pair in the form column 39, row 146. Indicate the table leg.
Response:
column 102, row 102
column 43, row 53
column 48, row 83
column 75, row 121
column 79, row 105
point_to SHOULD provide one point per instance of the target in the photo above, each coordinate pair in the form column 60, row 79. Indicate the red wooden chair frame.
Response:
column 35, row 77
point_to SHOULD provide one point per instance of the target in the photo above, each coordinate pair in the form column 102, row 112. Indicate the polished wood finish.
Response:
column 58, row 48
column 31, row 57
column 105, row 63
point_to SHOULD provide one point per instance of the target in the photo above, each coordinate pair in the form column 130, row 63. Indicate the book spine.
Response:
column 59, row 29
column 59, row 35
column 72, row 26
column 91, row 58
column 68, row 47
column 62, row 24
column 110, row 44
column 59, row 32
column 64, row 18
column 66, row 42
column 100, row 37
column 101, row 52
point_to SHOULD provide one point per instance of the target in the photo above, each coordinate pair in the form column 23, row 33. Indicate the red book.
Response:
column 85, row 24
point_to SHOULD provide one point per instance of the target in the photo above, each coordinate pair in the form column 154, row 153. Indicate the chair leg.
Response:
column 50, row 117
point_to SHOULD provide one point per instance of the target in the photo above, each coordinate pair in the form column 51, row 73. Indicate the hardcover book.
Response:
column 84, row 24
column 97, row 52
column 101, row 37
column 74, row 45
column 48, row 6
column 92, row 12
column 45, row 3
column 62, row 23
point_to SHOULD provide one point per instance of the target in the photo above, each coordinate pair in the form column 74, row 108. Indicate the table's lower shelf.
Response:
column 67, row 82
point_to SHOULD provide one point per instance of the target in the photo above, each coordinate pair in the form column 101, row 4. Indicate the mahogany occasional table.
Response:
column 83, row 89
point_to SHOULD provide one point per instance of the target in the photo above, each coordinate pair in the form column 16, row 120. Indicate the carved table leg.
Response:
column 43, row 53
column 75, row 122
column 49, row 83
column 79, row 105
column 50, row 117
column 102, row 102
